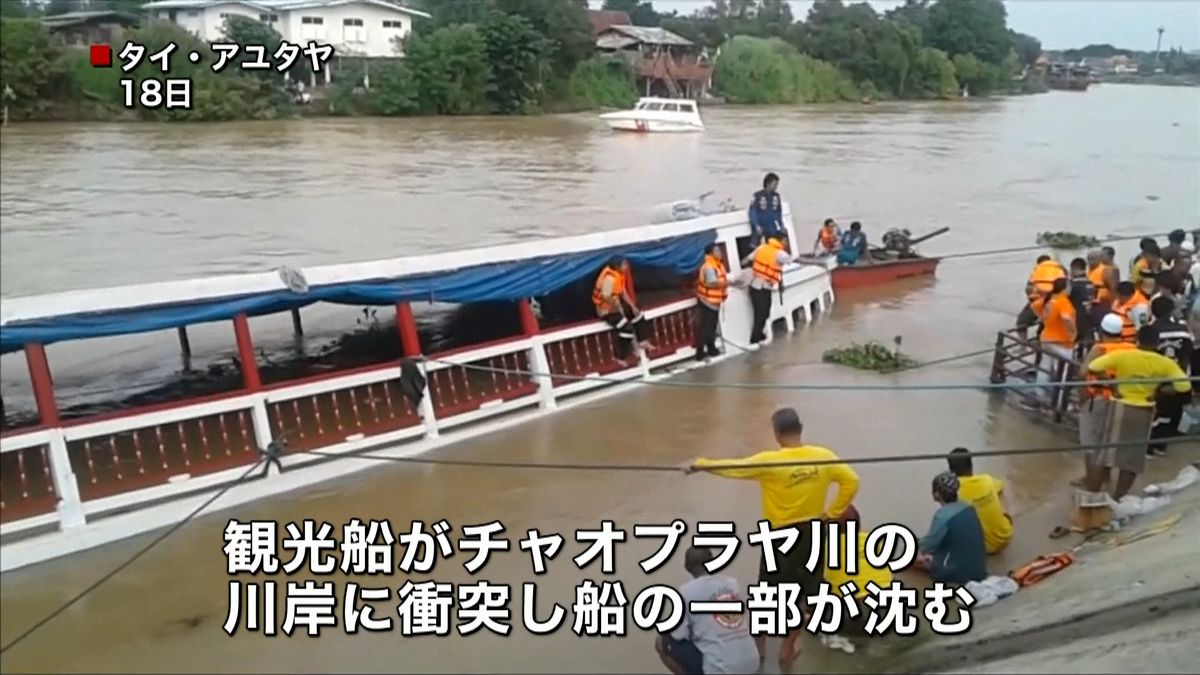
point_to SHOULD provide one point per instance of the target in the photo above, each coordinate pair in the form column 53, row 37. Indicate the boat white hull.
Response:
column 643, row 126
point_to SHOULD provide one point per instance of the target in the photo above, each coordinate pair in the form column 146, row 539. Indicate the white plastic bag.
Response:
column 1187, row 476
column 1132, row 505
column 991, row 590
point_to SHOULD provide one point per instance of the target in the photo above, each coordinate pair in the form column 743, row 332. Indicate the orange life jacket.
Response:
column 1124, row 310
column 1098, row 275
column 1054, row 328
column 1041, row 281
column 1104, row 391
column 608, row 305
column 829, row 237
column 713, row 296
column 1042, row 567
column 766, row 267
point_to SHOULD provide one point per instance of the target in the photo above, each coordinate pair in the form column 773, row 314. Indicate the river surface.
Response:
column 99, row 205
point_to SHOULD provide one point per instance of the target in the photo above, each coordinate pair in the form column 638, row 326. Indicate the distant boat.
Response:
column 1069, row 77
column 657, row 115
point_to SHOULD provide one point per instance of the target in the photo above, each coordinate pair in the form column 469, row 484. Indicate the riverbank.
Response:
column 1157, row 80
column 1120, row 585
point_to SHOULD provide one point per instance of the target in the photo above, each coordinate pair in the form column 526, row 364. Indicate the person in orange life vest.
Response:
column 613, row 305
column 766, row 278
column 1134, row 309
column 1095, row 404
column 827, row 239
column 1059, row 332
column 1104, row 277
column 1040, row 283
column 712, row 287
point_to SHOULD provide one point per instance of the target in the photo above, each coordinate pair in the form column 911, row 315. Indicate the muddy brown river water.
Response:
column 86, row 205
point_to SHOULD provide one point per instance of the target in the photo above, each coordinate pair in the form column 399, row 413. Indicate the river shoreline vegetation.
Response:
column 531, row 56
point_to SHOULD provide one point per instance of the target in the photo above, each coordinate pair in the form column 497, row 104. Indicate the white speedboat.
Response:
column 658, row 115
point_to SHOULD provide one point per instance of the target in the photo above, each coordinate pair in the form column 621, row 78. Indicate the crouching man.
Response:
column 706, row 643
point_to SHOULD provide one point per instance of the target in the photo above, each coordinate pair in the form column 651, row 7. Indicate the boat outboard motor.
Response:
column 898, row 240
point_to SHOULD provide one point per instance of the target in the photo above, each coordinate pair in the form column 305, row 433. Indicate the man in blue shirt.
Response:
column 766, row 211
column 953, row 551
column 853, row 246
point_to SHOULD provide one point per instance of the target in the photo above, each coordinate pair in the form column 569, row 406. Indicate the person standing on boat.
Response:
column 613, row 305
column 1038, row 288
column 766, row 278
column 1148, row 262
column 1059, row 335
column 712, row 287
column 766, row 211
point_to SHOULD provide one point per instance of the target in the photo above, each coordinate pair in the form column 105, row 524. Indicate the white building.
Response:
column 354, row 27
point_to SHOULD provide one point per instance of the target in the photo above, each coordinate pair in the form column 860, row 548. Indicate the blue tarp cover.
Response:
column 507, row 281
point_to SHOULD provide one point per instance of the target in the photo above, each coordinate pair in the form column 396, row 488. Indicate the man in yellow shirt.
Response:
column 792, row 496
column 1133, row 412
column 986, row 494
column 837, row 576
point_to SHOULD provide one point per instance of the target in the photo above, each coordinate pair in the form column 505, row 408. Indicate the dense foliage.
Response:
column 524, row 56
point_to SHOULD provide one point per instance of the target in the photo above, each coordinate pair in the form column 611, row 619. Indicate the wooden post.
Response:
column 410, row 340
column 43, row 384
column 529, row 322
column 245, row 345
column 297, row 326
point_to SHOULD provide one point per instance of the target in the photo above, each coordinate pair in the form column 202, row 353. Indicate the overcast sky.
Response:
column 1061, row 24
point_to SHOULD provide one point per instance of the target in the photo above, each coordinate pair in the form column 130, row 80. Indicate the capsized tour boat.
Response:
column 657, row 115
column 73, row 477
column 896, row 259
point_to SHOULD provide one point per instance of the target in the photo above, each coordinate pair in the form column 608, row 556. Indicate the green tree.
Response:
column 975, row 27
column 15, row 9
column 932, row 75
column 30, row 67
column 564, row 24
column 603, row 83
column 517, row 54
column 450, row 12
column 1027, row 47
column 244, row 31
column 865, row 46
column 451, row 69
column 640, row 13
column 769, row 70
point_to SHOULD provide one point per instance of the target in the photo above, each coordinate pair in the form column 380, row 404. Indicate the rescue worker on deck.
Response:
column 827, row 239
column 1134, row 309
column 1038, row 288
column 712, row 287
column 1104, row 278
column 1058, row 337
column 611, row 298
column 766, row 211
column 1177, row 343
column 766, row 278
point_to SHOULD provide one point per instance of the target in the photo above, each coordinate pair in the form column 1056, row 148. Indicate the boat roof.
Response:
column 487, row 274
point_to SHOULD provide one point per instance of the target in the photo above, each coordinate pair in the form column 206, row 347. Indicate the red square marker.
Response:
column 101, row 56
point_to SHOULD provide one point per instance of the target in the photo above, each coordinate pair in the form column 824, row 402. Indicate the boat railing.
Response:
column 1020, row 357
column 82, row 470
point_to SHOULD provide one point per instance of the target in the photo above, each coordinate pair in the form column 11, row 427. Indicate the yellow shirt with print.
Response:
column 983, row 492
column 793, row 494
column 865, row 574
column 1140, row 364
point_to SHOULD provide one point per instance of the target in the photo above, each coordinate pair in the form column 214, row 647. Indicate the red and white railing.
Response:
column 69, row 473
